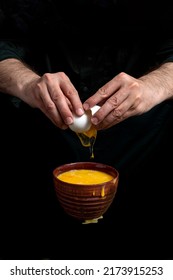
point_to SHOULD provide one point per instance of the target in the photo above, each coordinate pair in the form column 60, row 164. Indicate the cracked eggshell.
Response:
column 94, row 109
column 83, row 123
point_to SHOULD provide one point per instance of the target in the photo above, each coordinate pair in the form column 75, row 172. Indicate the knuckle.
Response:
column 121, row 76
column 70, row 93
column 54, row 94
column 102, row 91
column 49, row 106
column 112, row 102
column 62, row 75
column 47, row 77
column 117, row 114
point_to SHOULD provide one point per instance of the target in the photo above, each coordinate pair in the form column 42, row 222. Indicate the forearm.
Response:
column 162, row 81
column 14, row 77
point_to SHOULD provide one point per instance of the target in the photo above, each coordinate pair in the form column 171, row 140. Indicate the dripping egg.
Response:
column 85, row 130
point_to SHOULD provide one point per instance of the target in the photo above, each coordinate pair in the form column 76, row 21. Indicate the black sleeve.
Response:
column 164, row 30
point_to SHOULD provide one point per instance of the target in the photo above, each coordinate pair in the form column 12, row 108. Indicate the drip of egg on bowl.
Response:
column 85, row 190
column 85, row 130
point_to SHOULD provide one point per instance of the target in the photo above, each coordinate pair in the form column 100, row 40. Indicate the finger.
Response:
column 59, row 88
column 60, row 102
column 70, row 92
column 103, row 93
column 49, row 108
column 116, row 114
column 72, row 95
column 119, row 101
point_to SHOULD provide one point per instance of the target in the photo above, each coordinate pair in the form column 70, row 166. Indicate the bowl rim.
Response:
column 86, row 165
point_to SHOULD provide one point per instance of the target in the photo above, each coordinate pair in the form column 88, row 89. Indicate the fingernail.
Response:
column 79, row 111
column 86, row 106
column 69, row 120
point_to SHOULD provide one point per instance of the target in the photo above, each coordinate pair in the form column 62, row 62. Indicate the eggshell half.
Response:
column 83, row 123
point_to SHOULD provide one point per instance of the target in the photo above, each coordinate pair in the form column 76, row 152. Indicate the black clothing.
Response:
column 91, row 41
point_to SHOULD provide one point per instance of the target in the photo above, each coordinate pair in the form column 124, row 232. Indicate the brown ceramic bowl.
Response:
column 86, row 202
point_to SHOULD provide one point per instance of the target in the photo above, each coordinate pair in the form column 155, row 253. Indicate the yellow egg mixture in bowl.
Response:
column 85, row 190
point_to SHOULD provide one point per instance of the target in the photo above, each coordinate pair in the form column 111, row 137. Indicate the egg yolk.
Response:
column 85, row 176
column 88, row 138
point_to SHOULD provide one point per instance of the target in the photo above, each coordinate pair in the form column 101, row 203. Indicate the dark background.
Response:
column 138, row 225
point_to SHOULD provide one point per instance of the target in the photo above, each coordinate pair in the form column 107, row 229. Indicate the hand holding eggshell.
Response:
column 83, row 123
